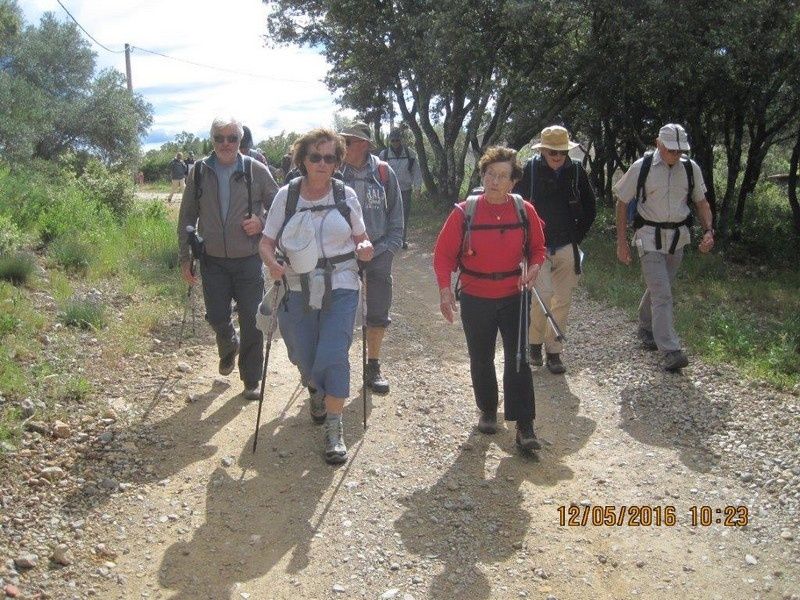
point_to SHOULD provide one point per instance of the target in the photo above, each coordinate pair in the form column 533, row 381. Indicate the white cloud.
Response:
column 282, row 89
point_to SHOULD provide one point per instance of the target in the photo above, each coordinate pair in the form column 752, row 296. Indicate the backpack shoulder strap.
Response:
column 687, row 164
column 383, row 154
column 198, row 190
column 470, row 205
column 247, row 166
column 292, row 196
column 534, row 170
column 519, row 202
column 340, row 200
column 647, row 162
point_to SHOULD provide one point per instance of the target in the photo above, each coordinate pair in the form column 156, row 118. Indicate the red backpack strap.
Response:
column 383, row 172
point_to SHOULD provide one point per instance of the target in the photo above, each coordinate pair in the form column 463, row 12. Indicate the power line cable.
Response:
column 223, row 69
column 87, row 33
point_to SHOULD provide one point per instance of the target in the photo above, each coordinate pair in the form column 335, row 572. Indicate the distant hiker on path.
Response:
column 405, row 165
column 662, row 184
column 178, row 171
column 189, row 162
column 379, row 194
column 559, row 189
column 317, row 224
column 486, row 238
column 226, row 199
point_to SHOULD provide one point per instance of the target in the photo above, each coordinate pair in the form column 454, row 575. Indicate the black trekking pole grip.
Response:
column 272, row 324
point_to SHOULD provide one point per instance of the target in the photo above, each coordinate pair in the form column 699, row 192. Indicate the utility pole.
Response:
column 128, row 67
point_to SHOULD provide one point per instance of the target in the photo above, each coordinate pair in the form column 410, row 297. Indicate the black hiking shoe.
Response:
column 554, row 364
column 227, row 362
column 335, row 450
column 252, row 391
column 526, row 438
column 487, row 422
column 536, row 355
column 375, row 380
column 674, row 361
column 646, row 337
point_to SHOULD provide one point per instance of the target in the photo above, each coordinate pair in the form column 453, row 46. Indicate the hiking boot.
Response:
column 375, row 380
column 251, row 392
column 487, row 422
column 646, row 337
column 536, row 355
column 227, row 362
column 675, row 361
column 317, row 406
column 526, row 438
column 335, row 450
column 554, row 364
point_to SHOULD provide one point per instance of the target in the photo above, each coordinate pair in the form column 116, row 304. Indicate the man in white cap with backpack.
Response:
column 662, row 184
column 375, row 184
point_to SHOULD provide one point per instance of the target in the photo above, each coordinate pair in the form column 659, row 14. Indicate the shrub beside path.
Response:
column 159, row 495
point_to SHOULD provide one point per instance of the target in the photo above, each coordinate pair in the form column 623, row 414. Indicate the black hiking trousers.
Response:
column 482, row 319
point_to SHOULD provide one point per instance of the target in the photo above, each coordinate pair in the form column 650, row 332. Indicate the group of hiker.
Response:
column 337, row 224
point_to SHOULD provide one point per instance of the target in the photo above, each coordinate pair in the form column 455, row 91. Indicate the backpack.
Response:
column 384, row 155
column 470, row 206
column 574, row 206
column 637, row 221
column 326, row 263
column 247, row 165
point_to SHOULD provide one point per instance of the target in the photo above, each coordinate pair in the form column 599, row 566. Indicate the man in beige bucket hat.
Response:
column 559, row 189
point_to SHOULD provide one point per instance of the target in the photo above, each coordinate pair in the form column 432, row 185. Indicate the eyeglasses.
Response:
column 315, row 157
column 556, row 152
column 231, row 139
column 350, row 141
column 496, row 176
column 674, row 151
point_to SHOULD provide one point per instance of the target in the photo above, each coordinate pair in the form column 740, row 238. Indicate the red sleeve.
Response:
column 448, row 244
column 538, row 251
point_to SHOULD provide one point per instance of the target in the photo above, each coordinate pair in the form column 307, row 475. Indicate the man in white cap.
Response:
column 375, row 184
column 560, row 190
column 662, row 183
column 405, row 165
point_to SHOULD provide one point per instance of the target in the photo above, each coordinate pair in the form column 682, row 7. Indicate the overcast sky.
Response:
column 284, row 93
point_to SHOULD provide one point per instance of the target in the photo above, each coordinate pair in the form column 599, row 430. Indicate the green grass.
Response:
column 83, row 313
column 726, row 312
column 72, row 253
column 17, row 268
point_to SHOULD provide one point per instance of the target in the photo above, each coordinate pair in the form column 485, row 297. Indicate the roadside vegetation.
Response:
column 80, row 264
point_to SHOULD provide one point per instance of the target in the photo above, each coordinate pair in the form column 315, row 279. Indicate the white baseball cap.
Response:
column 299, row 242
column 674, row 137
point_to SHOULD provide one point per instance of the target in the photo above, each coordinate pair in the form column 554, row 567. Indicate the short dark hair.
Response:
column 496, row 154
column 247, row 138
column 313, row 138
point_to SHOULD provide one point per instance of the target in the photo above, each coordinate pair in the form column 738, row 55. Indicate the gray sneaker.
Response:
column 317, row 406
column 335, row 450
column 674, row 361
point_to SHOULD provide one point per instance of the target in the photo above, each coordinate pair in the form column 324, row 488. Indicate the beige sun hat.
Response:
column 360, row 130
column 674, row 137
column 555, row 137
column 299, row 244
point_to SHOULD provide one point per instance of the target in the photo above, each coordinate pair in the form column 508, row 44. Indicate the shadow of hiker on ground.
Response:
column 662, row 413
column 253, row 522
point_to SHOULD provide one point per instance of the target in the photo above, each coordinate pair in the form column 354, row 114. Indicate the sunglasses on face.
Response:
column 556, row 152
column 231, row 139
column 315, row 157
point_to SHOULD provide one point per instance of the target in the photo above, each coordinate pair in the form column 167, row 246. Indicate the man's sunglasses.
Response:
column 231, row 139
column 315, row 157
column 556, row 152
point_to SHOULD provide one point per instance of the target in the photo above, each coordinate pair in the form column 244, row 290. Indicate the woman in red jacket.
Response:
column 488, row 255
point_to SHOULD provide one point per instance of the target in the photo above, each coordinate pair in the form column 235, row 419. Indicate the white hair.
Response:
column 222, row 122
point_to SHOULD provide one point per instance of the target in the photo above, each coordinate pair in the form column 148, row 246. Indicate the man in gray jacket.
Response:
column 226, row 201
column 378, row 193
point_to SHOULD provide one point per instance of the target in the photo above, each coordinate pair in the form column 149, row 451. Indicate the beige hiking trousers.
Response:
column 555, row 283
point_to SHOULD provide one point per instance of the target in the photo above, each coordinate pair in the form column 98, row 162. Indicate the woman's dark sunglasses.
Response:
column 315, row 157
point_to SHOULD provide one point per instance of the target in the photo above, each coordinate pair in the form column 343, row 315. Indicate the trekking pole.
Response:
column 195, row 248
column 550, row 318
column 364, row 344
column 272, row 324
column 522, row 327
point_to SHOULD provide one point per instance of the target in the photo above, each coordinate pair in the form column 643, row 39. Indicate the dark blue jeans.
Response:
column 482, row 319
column 240, row 279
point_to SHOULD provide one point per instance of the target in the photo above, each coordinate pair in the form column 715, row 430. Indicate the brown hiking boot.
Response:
column 526, row 438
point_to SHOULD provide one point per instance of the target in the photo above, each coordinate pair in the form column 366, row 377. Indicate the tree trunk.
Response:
column 792, row 191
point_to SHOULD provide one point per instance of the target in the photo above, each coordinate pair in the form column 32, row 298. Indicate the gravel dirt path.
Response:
column 172, row 503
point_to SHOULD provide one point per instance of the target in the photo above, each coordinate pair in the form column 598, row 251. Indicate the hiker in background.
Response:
column 226, row 199
column 559, row 189
column 317, row 224
column 405, row 165
column 247, row 149
column 286, row 165
column 504, row 230
column 378, row 193
column 662, row 184
column 189, row 163
column 177, row 174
